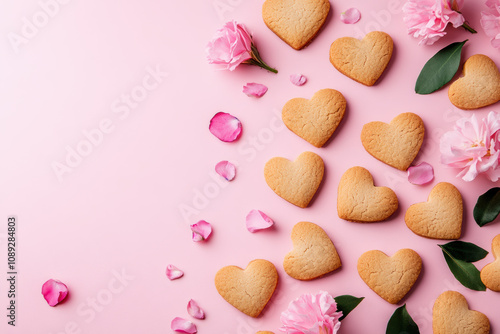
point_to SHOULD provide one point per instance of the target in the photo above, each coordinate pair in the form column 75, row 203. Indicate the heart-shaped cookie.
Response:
column 248, row 290
column 315, row 120
column 358, row 200
column 296, row 181
column 313, row 254
column 490, row 274
column 397, row 143
column 362, row 60
column 390, row 277
column 480, row 85
column 451, row 315
column 440, row 217
column 296, row 22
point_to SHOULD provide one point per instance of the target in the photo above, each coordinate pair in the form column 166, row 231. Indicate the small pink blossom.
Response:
column 173, row 272
column 195, row 310
column 311, row 314
column 298, row 79
column 201, row 231
column 490, row 21
column 254, row 89
column 226, row 169
column 258, row 220
column 350, row 16
column 54, row 291
column 420, row 174
column 474, row 147
column 183, row 326
column 225, row 126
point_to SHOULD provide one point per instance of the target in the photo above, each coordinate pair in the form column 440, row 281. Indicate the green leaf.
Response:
column 464, row 251
column 401, row 322
column 487, row 207
column 440, row 69
column 465, row 272
column 346, row 304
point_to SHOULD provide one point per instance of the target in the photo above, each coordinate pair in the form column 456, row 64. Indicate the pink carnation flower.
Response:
column 490, row 21
column 311, row 314
column 473, row 146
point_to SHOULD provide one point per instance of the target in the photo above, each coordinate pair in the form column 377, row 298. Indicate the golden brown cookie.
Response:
column 358, row 200
column 362, row 60
column 264, row 332
column 295, row 181
column 390, row 277
column 451, row 315
column 490, row 274
column 296, row 22
column 250, row 289
column 480, row 85
column 313, row 254
column 315, row 120
column 440, row 217
column 397, row 143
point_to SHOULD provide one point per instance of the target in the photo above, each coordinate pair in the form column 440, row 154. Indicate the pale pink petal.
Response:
column 421, row 174
column 350, row 16
column 173, row 272
column 54, row 291
column 258, row 220
column 195, row 310
column 225, row 127
column 298, row 79
column 201, row 231
column 254, row 89
column 183, row 326
column 226, row 169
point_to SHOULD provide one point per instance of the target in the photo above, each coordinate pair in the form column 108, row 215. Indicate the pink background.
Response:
column 109, row 227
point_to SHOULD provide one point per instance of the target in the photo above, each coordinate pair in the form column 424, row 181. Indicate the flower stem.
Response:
column 467, row 27
column 257, row 60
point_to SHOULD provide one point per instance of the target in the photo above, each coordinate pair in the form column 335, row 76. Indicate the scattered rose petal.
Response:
column 421, row 173
column 173, row 272
column 254, row 89
column 226, row 127
column 298, row 79
column 201, row 230
column 350, row 16
column 54, row 291
column 183, row 326
column 195, row 310
column 258, row 220
column 226, row 169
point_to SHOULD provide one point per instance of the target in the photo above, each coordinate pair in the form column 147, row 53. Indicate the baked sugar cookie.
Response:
column 490, row 274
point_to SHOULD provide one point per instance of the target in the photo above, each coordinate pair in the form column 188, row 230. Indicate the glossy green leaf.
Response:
column 401, row 322
column 346, row 304
column 440, row 69
column 465, row 251
column 487, row 207
column 465, row 272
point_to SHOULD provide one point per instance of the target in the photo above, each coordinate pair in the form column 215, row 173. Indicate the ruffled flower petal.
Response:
column 225, row 127
column 226, row 169
column 183, row 326
column 298, row 79
column 254, row 89
column 201, row 231
column 421, row 174
column 350, row 16
column 195, row 310
column 173, row 272
column 54, row 291
column 490, row 21
column 258, row 220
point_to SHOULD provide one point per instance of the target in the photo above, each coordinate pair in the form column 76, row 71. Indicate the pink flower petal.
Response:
column 298, row 79
column 421, row 174
column 173, row 272
column 350, row 16
column 225, row 127
column 226, row 169
column 254, row 89
column 195, row 310
column 54, row 291
column 183, row 326
column 258, row 220
column 201, row 230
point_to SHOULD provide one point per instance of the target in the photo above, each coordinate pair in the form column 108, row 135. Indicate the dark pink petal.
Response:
column 298, row 79
column 258, row 220
column 54, row 291
column 421, row 173
column 226, row 169
column 201, row 230
column 350, row 16
column 225, row 127
column 254, row 89
column 183, row 326
column 173, row 272
column 195, row 310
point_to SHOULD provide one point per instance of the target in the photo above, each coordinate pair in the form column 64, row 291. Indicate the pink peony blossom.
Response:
column 311, row 314
column 54, row 291
column 490, row 21
column 473, row 146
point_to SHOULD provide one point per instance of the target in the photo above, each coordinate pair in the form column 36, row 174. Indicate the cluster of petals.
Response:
column 490, row 21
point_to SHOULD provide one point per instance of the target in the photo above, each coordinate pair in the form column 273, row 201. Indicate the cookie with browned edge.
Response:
column 490, row 274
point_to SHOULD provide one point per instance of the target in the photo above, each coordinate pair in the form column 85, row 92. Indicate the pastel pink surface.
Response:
column 132, row 80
